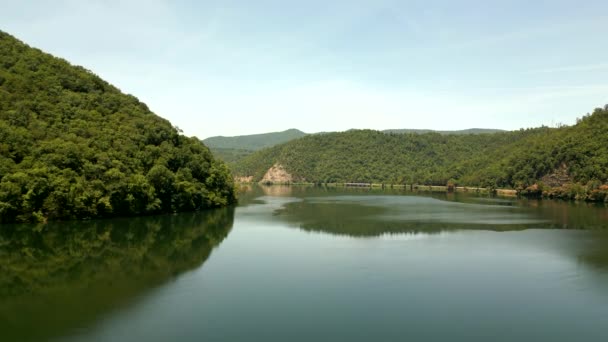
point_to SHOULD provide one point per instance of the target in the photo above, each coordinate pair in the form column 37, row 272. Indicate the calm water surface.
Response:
column 312, row 264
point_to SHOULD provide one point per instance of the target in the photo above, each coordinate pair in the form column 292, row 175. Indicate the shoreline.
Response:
column 563, row 193
column 409, row 187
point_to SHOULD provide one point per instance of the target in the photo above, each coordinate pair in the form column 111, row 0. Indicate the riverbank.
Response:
column 568, row 192
column 407, row 187
column 592, row 192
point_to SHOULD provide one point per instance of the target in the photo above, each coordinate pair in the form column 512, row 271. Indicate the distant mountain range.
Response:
column 233, row 149
column 571, row 159
column 253, row 142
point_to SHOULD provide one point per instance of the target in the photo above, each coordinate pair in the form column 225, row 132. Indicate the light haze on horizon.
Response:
column 245, row 67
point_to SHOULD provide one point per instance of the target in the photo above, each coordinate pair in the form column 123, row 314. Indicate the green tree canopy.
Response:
column 514, row 159
column 73, row 146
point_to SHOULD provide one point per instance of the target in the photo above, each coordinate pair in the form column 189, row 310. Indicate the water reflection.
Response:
column 450, row 267
column 62, row 276
column 365, row 212
column 278, row 190
column 380, row 213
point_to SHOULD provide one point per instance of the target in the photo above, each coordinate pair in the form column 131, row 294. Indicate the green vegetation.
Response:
column 65, row 275
column 463, row 131
column 233, row 149
column 73, row 146
column 523, row 159
column 230, row 155
column 253, row 142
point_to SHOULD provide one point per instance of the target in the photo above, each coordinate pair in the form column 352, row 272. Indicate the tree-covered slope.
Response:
column 462, row 131
column 253, row 142
column 74, row 146
column 503, row 159
column 373, row 156
column 230, row 156
column 233, row 149
column 581, row 150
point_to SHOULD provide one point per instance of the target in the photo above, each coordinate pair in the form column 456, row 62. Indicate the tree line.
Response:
column 517, row 159
column 72, row 146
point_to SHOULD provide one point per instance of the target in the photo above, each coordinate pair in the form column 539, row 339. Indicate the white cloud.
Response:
column 218, row 69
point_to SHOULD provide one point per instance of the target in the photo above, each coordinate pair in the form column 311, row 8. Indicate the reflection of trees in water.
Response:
column 62, row 275
column 356, row 220
column 573, row 215
column 362, row 220
column 594, row 250
column 341, row 216
column 277, row 190
column 250, row 192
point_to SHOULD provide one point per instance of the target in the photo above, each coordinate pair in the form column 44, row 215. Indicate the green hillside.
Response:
column 517, row 159
column 463, row 131
column 73, row 146
column 230, row 155
column 253, row 142
column 232, row 149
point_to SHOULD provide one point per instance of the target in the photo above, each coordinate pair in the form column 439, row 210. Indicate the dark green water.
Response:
column 308, row 264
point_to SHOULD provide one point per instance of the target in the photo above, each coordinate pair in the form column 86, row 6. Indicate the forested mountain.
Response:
column 233, row 149
column 230, row 156
column 74, row 146
column 462, row 131
column 253, row 142
column 576, row 156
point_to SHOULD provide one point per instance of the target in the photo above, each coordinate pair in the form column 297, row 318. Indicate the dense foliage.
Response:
column 253, row 142
column 517, row 159
column 230, row 156
column 372, row 156
column 458, row 132
column 233, row 149
column 73, row 146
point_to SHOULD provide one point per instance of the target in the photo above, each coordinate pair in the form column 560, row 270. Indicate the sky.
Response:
column 244, row 67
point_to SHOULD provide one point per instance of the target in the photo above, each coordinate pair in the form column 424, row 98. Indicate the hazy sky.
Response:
column 240, row 67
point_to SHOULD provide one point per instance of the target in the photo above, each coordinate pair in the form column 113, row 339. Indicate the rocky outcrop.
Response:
column 558, row 177
column 277, row 175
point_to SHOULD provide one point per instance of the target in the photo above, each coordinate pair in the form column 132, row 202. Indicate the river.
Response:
column 315, row 264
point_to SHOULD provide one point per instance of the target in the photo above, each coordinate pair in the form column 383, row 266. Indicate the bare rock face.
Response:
column 558, row 177
column 277, row 174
